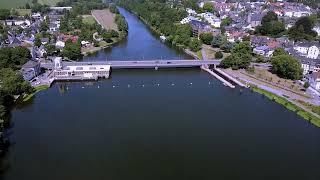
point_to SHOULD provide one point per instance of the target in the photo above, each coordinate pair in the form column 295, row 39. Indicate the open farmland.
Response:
column 105, row 18
column 21, row 3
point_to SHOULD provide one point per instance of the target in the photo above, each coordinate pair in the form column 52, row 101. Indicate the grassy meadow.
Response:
column 21, row 3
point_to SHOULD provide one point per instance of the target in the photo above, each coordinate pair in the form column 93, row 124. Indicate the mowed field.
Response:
column 21, row 3
column 105, row 18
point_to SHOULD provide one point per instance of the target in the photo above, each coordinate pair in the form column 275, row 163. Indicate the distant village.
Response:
column 42, row 34
column 23, row 31
column 245, row 17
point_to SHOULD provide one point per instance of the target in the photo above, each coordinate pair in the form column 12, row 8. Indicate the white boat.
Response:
column 163, row 38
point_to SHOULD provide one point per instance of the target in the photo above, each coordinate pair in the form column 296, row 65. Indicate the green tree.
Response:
column 114, row 33
column 12, row 82
column 27, row 6
column 44, row 26
column 106, row 35
column 270, row 25
column 303, row 29
column 240, row 57
column 208, row 7
column 195, row 44
column 269, row 17
column 14, row 58
column 4, row 14
column 260, row 59
column 121, row 23
column 51, row 49
column 183, row 34
column 217, row 41
column 306, row 84
column 279, row 51
column 226, row 47
column 218, row 55
column 37, row 41
column 287, row 67
column 226, row 21
column 72, row 50
column 206, row 38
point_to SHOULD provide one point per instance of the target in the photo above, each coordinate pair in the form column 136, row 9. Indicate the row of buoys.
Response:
column 143, row 85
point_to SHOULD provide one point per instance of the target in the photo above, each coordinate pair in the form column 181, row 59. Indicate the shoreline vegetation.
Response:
column 28, row 97
column 289, row 105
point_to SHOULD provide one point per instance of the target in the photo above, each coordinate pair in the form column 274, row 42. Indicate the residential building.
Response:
column 30, row 70
column 255, row 19
column 308, row 49
column 315, row 80
column 263, row 51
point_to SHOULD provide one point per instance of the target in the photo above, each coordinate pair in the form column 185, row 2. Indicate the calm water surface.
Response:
column 165, row 124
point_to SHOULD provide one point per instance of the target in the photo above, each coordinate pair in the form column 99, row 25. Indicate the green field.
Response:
column 21, row 3
column 88, row 19
column 23, row 12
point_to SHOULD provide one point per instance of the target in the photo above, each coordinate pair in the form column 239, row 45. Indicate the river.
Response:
column 164, row 124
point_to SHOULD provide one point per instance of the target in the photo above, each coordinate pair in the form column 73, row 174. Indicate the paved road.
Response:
column 141, row 64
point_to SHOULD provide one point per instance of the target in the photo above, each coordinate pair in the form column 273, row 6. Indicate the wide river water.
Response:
column 164, row 124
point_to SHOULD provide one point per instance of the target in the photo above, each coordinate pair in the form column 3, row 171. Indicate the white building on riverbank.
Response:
column 79, row 71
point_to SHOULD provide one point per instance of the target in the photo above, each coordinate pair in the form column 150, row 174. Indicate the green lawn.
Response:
column 23, row 12
column 21, row 3
column 27, row 97
column 88, row 19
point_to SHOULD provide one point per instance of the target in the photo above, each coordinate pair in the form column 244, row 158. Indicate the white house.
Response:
column 308, row 49
column 309, row 65
column 315, row 80
column 191, row 11
column 17, row 22
column 211, row 19
column 60, row 44
column 263, row 51
column 36, row 15
column 188, row 19
column 297, row 11
column 317, row 29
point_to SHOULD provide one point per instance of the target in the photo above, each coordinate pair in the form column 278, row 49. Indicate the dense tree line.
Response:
column 11, row 81
column 83, row 6
column 13, row 58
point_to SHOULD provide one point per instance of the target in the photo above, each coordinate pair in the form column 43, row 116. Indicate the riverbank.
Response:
column 27, row 97
column 312, row 118
column 293, row 101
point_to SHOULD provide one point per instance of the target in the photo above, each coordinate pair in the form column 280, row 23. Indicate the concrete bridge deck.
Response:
column 141, row 64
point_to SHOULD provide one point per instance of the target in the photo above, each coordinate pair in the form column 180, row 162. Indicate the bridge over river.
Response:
column 140, row 64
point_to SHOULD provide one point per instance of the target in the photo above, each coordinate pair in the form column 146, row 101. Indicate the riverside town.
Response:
column 159, row 89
